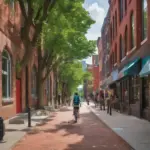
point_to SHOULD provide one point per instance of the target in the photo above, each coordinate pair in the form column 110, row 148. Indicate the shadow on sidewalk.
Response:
column 90, row 133
column 30, row 130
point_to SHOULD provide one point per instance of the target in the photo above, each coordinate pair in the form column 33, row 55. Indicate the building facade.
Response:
column 13, row 95
column 129, row 55
column 100, row 58
column 95, row 72
column 105, row 41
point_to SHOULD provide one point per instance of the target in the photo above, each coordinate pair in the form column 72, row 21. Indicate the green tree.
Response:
column 63, row 39
column 34, row 15
column 71, row 76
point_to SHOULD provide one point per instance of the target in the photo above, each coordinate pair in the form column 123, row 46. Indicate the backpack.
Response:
column 76, row 100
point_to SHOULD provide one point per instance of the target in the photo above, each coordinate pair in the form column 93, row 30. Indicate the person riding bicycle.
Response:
column 76, row 105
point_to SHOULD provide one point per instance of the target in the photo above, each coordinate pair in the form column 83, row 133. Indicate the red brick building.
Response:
column 100, row 58
column 13, row 90
column 129, row 52
column 95, row 68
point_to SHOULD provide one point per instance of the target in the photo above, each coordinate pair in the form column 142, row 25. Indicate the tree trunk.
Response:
column 62, row 93
column 40, row 85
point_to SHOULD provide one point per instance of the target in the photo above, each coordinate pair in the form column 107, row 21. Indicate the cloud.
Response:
column 97, row 10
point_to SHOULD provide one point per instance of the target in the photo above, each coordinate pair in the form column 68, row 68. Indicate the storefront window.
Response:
column 135, row 89
column 146, row 91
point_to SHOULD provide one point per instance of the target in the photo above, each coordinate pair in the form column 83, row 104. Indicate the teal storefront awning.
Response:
column 146, row 67
column 130, row 69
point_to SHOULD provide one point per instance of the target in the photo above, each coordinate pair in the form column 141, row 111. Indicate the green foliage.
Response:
column 64, row 32
column 73, row 75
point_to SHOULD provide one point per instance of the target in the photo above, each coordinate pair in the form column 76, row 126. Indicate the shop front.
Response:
column 145, row 76
column 129, row 85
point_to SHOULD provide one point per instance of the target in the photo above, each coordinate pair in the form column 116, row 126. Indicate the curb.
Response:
column 91, row 110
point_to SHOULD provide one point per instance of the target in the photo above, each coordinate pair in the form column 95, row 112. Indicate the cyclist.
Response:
column 76, row 105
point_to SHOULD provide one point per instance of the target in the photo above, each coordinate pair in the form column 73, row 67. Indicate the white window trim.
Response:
column 7, row 100
column 8, row 97
column 144, row 41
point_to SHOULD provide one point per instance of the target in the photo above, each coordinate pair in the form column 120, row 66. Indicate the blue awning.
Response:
column 130, row 69
column 146, row 69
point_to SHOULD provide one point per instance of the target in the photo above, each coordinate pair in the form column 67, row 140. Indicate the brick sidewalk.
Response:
column 60, row 134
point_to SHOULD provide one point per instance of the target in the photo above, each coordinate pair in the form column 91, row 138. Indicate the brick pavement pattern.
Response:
column 61, row 134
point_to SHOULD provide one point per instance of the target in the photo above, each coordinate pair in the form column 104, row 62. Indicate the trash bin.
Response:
column 2, row 128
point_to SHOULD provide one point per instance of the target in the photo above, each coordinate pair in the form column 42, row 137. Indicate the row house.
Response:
column 88, row 84
column 13, row 94
column 100, row 58
column 95, row 72
column 129, row 55
column 105, row 46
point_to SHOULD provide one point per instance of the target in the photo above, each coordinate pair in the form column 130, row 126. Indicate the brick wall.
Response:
column 10, row 24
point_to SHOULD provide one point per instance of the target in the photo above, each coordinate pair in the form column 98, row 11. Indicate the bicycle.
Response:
column 76, row 113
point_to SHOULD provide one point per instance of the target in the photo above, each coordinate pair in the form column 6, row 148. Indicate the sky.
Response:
column 98, row 10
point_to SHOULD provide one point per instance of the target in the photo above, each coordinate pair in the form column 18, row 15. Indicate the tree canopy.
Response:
column 73, row 75
column 63, row 35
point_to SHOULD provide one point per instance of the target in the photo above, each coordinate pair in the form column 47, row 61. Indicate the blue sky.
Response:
column 97, row 10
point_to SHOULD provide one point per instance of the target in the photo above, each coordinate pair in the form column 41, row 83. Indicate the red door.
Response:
column 18, row 96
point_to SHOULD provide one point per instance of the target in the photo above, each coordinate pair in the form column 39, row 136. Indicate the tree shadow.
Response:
column 32, row 129
column 64, row 109
column 90, row 133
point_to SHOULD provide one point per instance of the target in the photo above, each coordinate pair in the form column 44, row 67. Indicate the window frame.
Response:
column 7, row 73
column 144, row 34
column 126, row 40
column 132, row 23
column 121, row 9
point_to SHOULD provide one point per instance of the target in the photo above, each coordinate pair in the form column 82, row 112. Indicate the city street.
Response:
column 61, row 134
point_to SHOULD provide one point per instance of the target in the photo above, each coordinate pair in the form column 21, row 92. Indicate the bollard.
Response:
column 2, row 128
column 29, row 117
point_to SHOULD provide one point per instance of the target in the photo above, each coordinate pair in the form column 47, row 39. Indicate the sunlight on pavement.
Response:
column 61, row 134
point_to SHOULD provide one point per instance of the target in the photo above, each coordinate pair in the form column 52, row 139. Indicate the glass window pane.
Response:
column 9, row 79
column 144, row 19
column 4, row 64
column 4, row 85
column 6, row 75
column 132, row 31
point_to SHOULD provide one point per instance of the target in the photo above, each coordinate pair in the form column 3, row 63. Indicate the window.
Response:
column 12, row 6
column 126, row 40
column 33, row 82
column 135, row 89
column 132, row 30
column 146, row 90
column 121, row 9
column 6, row 75
column 144, row 19
column 116, row 22
column 122, row 53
